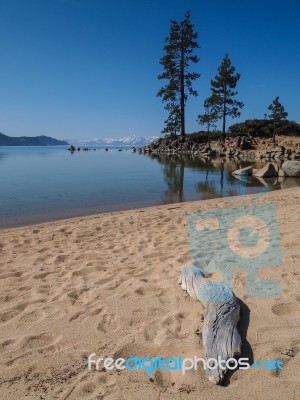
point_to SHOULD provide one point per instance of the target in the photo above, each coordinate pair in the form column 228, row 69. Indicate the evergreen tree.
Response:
column 223, row 93
column 172, row 123
column 179, row 53
column 210, row 117
column 277, row 114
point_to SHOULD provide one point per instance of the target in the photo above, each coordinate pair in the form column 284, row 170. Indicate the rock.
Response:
column 242, row 178
column 266, row 184
column 278, row 157
column 291, row 168
column 268, row 171
column 279, row 149
column 247, row 171
column 281, row 172
column 276, row 166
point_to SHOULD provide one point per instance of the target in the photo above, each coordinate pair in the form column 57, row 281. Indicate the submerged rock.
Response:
column 244, row 171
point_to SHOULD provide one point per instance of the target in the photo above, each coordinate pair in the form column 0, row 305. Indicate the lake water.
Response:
column 45, row 183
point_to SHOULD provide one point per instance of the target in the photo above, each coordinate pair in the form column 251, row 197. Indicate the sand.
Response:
column 108, row 284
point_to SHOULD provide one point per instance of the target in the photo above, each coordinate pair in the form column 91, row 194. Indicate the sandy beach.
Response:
column 108, row 284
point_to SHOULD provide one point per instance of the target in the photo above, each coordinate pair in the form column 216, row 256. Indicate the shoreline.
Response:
column 129, row 210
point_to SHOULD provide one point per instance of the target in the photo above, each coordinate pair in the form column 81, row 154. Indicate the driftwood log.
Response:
column 222, row 313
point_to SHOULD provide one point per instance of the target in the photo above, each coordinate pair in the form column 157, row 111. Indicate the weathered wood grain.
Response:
column 222, row 312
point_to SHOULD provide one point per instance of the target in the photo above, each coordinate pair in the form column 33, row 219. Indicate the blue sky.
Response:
column 88, row 68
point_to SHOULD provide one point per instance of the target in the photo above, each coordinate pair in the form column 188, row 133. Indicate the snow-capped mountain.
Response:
column 124, row 141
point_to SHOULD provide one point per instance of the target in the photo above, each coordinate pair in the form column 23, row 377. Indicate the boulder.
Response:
column 247, row 171
column 276, row 166
column 291, row 168
column 268, row 171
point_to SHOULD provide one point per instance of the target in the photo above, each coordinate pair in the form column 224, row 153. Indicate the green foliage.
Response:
column 172, row 123
column 223, row 89
column 277, row 115
column 204, row 136
column 264, row 128
column 277, row 110
column 210, row 117
column 179, row 53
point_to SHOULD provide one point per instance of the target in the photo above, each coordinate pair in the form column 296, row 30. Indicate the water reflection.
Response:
column 35, row 188
column 173, row 170
column 190, row 178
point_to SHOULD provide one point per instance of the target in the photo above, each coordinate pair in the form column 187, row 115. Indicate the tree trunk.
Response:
column 208, row 134
column 274, row 132
column 224, row 121
column 182, row 116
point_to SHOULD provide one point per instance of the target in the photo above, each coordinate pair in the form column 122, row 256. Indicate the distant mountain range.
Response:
column 30, row 141
column 124, row 141
column 49, row 141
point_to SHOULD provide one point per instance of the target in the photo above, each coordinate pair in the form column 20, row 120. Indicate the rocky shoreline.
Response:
column 290, row 168
column 234, row 147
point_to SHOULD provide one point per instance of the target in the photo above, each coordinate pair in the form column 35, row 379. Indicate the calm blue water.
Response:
column 45, row 183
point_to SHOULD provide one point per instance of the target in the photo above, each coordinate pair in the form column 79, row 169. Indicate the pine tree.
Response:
column 179, row 53
column 277, row 114
column 210, row 117
column 172, row 123
column 223, row 93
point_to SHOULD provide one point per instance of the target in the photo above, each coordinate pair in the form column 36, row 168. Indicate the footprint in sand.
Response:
column 38, row 341
column 286, row 309
column 76, row 316
column 60, row 259
column 14, row 312
column 108, row 323
column 7, row 343
column 8, row 315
